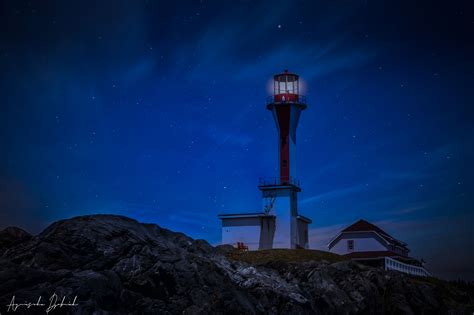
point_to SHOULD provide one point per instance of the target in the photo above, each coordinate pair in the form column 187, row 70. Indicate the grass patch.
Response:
column 261, row 257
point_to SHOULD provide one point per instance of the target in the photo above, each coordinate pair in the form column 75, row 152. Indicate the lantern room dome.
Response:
column 285, row 83
column 286, row 89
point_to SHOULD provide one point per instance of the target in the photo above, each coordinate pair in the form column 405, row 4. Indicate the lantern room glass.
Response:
column 286, row 84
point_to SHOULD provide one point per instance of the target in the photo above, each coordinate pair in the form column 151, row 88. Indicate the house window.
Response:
column 350, row 245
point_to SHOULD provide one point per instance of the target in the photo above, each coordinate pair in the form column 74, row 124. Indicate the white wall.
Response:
column 267, row 232
column 245, row 230
column 283, row 233
column 303, row 234
column 249, row 235
column 360, row 245
column 285, row 222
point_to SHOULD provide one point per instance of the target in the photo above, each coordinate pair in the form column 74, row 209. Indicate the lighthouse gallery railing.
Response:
column 276, row 181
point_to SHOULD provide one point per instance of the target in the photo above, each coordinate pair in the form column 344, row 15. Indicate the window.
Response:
column 350, row 245
column 282, row 87
column 289, row 87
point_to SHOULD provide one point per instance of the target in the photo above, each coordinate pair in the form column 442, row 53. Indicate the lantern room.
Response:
column 286, row 87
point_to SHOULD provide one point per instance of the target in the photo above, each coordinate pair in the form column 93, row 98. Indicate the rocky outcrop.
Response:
column 116, row 265
column 12, row 236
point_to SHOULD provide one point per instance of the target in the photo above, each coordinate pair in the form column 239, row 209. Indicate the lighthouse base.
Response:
column 291, row 230
column 277, row 226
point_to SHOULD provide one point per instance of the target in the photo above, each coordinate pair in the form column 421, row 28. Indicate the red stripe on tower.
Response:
column 283, row 116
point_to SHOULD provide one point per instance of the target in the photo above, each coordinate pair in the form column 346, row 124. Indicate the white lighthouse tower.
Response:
column 278, row 225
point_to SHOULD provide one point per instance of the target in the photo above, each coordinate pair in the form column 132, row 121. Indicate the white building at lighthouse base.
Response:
column 278, row 226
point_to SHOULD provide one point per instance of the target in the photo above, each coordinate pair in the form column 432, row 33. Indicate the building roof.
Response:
column 364, row 226
column 303, row 218
column 243, row 215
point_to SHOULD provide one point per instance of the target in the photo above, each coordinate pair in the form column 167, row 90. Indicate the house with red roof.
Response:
column 369, row 244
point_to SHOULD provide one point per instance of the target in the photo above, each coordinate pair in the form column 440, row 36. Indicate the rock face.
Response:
column 116, row 265
column 11, row 236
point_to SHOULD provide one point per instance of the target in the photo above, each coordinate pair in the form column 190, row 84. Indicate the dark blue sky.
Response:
column 155, row 110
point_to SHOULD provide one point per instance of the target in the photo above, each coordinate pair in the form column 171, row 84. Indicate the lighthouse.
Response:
column 286, row 105
column 278, row 224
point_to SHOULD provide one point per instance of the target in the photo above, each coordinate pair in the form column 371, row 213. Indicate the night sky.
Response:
column 156, row 110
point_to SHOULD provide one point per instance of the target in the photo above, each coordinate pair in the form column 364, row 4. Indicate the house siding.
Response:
column 361, row 244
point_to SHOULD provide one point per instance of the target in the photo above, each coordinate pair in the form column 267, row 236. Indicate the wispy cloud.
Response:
column 396, row 177
column 409, row 209
column 221, row 136
column 217, row 50
column 335, row 193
